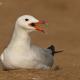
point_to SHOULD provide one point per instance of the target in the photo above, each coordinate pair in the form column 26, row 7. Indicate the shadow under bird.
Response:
column 21, row 53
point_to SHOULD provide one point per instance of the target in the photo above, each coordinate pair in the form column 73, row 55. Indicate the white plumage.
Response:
column 21, row 53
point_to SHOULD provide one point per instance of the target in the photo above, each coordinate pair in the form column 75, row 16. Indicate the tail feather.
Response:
column 52, row 48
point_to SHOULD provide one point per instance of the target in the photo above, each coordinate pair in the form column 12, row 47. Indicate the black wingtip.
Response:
column 52, row 47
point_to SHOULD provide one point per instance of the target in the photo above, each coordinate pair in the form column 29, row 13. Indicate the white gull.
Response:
column 21, row 53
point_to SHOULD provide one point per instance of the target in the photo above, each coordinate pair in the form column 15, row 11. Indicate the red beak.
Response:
column 38, row 28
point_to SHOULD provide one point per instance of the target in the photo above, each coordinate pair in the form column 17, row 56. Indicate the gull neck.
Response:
column 20, row 37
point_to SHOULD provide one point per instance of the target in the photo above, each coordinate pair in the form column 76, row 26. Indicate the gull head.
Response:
column 29, row 23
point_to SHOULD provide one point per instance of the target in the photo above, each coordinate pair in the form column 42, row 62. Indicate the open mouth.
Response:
column 37, row 27
column 33, row 24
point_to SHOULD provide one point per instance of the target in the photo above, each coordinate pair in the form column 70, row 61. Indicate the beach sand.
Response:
column 63, row 31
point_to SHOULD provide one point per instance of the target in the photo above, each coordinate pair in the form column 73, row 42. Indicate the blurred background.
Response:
column 63, row 30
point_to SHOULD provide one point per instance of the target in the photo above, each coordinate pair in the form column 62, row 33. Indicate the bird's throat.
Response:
column 20, row 38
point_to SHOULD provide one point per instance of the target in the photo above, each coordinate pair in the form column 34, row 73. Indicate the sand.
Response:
column 64, row 32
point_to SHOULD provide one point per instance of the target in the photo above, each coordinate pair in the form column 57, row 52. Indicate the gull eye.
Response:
column 33, row 24
column 26, row 19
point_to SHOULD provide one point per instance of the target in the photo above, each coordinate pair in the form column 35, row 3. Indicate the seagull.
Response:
column 21, row 53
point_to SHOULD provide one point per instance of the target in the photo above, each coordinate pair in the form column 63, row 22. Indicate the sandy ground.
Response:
column 64, row 32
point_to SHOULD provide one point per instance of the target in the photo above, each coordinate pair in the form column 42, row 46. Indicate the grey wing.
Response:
column 42, row 50
column 44, row 55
